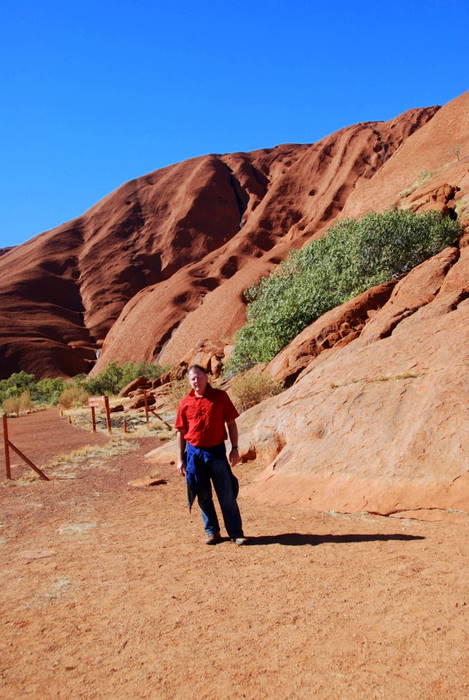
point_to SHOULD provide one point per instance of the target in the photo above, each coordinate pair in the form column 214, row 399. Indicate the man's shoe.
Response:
column 213, row 538
column 240, row 540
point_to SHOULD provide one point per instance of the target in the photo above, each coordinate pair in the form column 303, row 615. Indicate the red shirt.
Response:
column 201, row 419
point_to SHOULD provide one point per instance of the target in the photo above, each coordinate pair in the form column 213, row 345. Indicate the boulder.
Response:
column 138, row 401
column 135, row 384
column 336, row 328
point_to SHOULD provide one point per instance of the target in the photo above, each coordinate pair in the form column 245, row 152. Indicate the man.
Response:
column 200, row 423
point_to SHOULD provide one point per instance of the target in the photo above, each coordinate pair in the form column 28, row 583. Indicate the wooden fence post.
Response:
column 7, row 445
column 108, row 414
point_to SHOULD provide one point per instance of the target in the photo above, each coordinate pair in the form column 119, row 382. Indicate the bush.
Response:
column 354, row 256
column 250, row 389
column 16, row 384
column 16, row 404
column 76, row 391
column 112, row 379
column 26, row 403
column 73, row 395
column 12, row 405
column 48, row 390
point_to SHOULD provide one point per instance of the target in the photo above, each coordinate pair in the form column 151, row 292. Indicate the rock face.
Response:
column 376, row 419
column 380, row 425
column 376, row 415
column 336, row 328
column 162, row 262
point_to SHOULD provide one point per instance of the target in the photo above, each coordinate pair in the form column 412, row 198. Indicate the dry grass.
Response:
column 12, row 406
column 378, row 378
column 17, row 404
column 424, row 175
column 116, row 446
column 178, row 389
column 73, row 396
column 249, row 389
column 135, row 420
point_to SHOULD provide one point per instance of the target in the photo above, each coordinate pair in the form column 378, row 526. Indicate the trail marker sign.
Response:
column 95, row 402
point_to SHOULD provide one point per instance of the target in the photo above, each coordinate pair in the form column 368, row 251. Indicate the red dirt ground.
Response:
column 109, row 592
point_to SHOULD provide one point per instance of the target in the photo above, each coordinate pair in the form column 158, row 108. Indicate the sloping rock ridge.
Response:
column 376, row 418
column 161, row 263
column 379, row 424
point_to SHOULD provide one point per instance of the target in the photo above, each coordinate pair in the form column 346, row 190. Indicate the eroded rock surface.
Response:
column 163, row 261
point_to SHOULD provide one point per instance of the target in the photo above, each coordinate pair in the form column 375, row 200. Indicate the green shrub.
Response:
column 16, row 384
column 250, row 389
column 112, row 379
column 48, row 390
column 354, row 256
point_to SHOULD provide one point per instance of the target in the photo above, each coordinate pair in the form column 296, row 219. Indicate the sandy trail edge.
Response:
column 109, row 591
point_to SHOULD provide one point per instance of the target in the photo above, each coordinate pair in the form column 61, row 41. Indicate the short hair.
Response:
column 192, row 367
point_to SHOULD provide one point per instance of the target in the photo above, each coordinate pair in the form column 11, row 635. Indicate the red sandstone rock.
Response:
column 377, row 425
column 336, row 328
column 162, row 379
column 380, row 425
column 169, row 254
column 138, row 383
column 307, row 188
column 139, row 401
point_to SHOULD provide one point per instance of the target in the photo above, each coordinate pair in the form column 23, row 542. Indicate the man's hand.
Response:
column 181, row 446
column 234, row 457
column 233, row 433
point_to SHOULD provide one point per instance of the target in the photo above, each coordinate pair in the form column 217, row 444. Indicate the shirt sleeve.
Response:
column 230, row 412
column 181, row 423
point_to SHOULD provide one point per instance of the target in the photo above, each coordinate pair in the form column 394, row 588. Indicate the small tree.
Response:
column 48, row 390
column 112, row 379
column 354, row 256
column 16, row 384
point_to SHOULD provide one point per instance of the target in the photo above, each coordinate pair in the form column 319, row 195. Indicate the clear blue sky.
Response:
column 96, row 93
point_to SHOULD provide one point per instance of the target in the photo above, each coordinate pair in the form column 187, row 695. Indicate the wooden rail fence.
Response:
column 9, row 445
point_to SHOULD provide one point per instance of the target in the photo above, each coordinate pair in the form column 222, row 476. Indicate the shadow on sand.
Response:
column 296, row 539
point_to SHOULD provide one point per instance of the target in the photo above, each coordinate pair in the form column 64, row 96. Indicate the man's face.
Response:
column 198, row 381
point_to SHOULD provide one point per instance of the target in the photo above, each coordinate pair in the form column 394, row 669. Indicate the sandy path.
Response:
column 42, row 436
column 109, row 592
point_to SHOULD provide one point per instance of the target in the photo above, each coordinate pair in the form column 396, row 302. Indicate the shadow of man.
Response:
column 297, row 539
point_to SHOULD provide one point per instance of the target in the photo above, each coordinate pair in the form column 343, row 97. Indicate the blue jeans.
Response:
column 217, row 471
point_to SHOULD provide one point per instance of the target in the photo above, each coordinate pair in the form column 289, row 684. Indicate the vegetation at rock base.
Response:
column 178, row 389
column 112, row 379
column 16, row 404
column 73, row 395
column 16, row 384
column 249, row 389
column 354, row 256
column 21, row 391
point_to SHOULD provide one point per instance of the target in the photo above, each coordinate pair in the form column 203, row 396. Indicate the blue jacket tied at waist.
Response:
column 197, row 459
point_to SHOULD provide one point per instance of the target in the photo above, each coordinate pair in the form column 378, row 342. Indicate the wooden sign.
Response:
column 97, row 401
